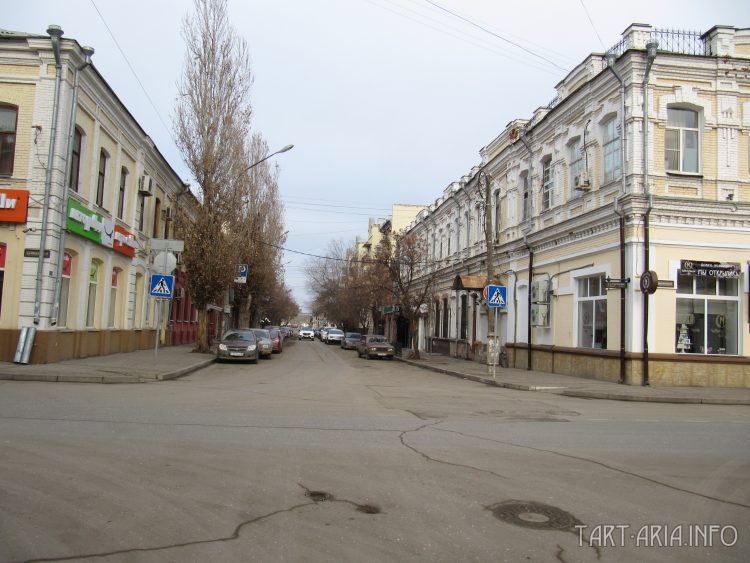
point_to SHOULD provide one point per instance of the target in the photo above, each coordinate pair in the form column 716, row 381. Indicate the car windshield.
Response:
column 239, row 335
column 377, row 339
column 335, row 331
column 353, row 335
column 262, row 333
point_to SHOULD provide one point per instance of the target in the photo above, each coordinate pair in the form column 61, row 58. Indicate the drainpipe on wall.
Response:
column 88, row 51
column 611, row 59
column 55, row 33
column 650, row 56
column 522, row 138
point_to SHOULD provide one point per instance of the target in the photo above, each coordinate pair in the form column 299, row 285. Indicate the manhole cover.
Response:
column 533, row 515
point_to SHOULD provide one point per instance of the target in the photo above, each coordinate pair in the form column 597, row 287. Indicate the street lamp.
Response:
column 284, row 149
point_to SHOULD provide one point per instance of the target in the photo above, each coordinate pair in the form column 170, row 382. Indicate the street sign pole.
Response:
column 495, row 355
column 158, row 314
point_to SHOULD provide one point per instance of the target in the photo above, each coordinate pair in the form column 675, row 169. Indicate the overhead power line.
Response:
column 497, row 35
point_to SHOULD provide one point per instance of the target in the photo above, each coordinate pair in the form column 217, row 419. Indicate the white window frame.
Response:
column 585, row 295
column 575, row 166
column 611, row 151
column 548, row 184
column 683, row 134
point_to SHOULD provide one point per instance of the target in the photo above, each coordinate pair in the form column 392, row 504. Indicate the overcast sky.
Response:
column 385, row 101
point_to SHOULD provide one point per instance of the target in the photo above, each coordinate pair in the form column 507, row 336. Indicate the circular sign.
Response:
column 164, row 263
column 649, row 282
column 485, row 292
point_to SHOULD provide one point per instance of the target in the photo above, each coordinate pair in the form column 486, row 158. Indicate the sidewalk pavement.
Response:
column 167, row 362
column 170, row 362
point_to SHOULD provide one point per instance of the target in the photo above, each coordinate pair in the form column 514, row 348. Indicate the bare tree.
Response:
column 326, row 276
column 212, row 122
column 258, row 227
column 411, row 277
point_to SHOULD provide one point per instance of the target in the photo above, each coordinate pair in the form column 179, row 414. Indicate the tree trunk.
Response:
column 202, row 344
column 413, row 324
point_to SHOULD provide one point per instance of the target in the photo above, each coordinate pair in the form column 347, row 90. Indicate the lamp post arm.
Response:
column 254, row 164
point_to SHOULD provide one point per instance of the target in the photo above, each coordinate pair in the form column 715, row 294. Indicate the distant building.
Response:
column 619, row 221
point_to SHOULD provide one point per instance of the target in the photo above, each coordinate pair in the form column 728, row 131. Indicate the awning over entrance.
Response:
column 469, row 282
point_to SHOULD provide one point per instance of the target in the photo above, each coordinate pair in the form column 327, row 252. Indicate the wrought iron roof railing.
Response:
column 673, row 41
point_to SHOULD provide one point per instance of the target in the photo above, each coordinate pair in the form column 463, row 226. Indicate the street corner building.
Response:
column 618, row 218
column 83, row 193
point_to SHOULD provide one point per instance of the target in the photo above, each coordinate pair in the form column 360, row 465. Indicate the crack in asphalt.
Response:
column 430, row 458
column 233, row 536
column 595, row 462
column 364, row 508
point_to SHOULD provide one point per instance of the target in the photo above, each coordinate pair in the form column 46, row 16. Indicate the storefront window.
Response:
column 707, row 320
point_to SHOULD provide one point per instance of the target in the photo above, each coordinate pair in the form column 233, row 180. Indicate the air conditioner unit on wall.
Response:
column 540, row 314
column 540, row 291
column 167, row 214
column 581, row 182
column 179, row 292
column 146, row 185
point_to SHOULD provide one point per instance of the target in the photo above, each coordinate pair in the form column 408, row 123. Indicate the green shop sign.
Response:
column 99, row 229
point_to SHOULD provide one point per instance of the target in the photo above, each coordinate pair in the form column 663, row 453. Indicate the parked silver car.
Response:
column 265, row 346
column 334, row 336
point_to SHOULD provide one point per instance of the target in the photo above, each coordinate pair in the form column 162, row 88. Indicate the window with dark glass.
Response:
column 75, row 160
column 464, row 317
column 101, row 178
column 8, row 122
column 121, row 194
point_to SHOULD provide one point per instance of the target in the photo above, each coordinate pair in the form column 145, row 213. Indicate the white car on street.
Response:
column 306, row 332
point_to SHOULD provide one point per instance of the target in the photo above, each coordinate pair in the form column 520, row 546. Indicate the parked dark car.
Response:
column 374, row 346
column 264, row 341
column 334, row 336
column 238, row 344
column 350, row 340
column 277, row 340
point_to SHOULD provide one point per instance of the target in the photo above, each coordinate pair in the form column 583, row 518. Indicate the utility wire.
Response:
column 592, row 25
column 460, row 35
column 130, row 66
column 486, row 30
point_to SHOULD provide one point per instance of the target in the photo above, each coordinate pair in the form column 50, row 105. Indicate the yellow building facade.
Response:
column 619, row 222
column 89, row 192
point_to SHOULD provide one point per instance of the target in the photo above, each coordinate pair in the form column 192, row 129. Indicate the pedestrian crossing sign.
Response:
column 161, row 286
column 497, row 296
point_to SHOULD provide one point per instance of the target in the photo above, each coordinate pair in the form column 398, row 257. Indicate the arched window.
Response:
column 8, row 124
column 62, row 312
column 681, row 144
column 113, row 298
column 93, row 286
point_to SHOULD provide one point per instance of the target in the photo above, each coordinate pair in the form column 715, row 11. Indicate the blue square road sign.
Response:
column 497, row 296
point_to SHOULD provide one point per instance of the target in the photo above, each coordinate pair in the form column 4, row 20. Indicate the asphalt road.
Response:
column 316, row 455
